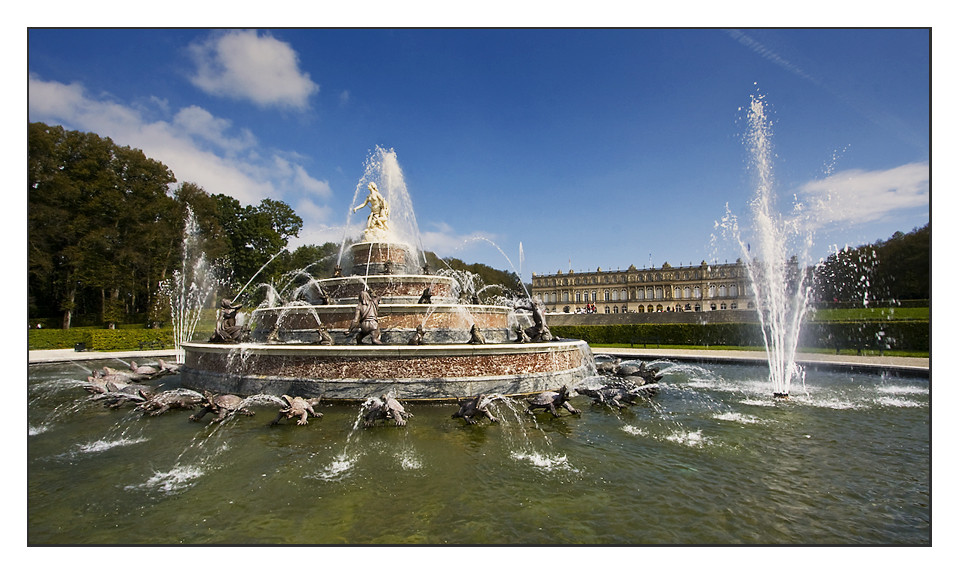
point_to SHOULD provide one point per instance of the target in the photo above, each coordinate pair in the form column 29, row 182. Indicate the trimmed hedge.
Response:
column 101, row 339
column 894, row 335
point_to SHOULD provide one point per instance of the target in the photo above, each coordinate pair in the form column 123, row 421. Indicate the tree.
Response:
column 93, row 214
column 895, row 269
column 254, row 235
column 317, row 260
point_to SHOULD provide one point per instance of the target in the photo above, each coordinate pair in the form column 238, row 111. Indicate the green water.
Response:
column 712, row 459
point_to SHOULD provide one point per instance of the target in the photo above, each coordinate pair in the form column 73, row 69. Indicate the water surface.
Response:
column 712, row 459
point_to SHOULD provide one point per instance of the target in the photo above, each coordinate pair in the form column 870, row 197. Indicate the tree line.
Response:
column 883, row 272
column 106, row 232
column 105, row 227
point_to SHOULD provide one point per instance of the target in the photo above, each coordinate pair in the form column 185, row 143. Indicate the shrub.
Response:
column 101, row 339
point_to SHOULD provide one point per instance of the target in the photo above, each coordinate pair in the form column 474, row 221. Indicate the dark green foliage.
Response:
column 104, row 229
column 886, row 271
column 98, row 221
column 101, row 339
column 254, row 235
column 318, row 260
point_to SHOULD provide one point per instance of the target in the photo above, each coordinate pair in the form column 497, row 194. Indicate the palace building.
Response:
column 668, row 289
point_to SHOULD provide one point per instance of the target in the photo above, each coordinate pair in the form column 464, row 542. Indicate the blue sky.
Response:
column 590, row 148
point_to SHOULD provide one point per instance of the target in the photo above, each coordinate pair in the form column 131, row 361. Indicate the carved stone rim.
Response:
column 385, row 351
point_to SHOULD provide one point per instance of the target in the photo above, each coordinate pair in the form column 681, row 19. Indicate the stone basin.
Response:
column 439, row 372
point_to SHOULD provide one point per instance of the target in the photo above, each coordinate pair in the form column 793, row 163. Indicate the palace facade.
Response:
column 692, row 288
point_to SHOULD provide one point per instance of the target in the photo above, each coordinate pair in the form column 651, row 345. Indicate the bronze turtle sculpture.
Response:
column 297, row 407
column 164, row 401
column 385, row 407
column 551, row 401
column 224, row 405
column 476, row 406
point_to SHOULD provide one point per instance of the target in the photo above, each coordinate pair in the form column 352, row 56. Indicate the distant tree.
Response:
column 502, row 282
column 904, row 266
column 317, row 260
column 891, row 270
column 93, row 214
column 254, row 235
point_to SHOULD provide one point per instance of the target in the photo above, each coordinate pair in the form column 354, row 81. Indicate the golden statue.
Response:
column 376, row 224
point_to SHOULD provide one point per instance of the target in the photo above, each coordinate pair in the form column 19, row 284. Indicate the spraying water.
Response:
column 776, row 258
column 383, row 169
column 191, row 288
column 260, row 270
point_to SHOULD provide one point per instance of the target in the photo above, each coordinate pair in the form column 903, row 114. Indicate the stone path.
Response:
column 61, row 355
column 917, row 365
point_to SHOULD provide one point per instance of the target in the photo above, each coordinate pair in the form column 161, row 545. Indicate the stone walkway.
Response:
column 61, row 355
column 911, row 365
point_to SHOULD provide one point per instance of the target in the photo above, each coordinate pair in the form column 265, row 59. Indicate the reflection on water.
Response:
column 712, row 459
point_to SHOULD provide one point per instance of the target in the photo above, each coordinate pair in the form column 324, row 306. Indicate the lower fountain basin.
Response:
column 356, row 372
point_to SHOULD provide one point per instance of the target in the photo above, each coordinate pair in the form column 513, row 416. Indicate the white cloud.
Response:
column 197, row 146
column 857, row 196
column 245, row 65
column 199, row 123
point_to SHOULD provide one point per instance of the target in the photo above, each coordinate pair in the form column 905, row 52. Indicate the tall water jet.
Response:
column 384, row 174
column 776, row 256
column 192, row 286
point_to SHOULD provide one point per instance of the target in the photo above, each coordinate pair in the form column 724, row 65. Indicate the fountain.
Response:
column 430, row 336
column 191, row 287
column 777, row 268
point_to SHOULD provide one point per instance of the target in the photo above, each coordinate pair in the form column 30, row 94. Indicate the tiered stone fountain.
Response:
column 434, row 343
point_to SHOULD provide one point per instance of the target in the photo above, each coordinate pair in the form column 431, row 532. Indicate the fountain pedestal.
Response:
column 356, row 372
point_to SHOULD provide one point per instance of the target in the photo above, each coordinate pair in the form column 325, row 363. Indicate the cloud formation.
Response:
column 856, row 197
column 198, row 146
column 244, row 65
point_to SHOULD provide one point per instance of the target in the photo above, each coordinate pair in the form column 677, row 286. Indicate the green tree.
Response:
column 93, row 214
column 317, row 260
column 895, row 269
column 254, row 236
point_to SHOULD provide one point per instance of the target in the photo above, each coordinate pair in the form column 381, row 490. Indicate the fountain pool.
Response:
column 711, row 459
